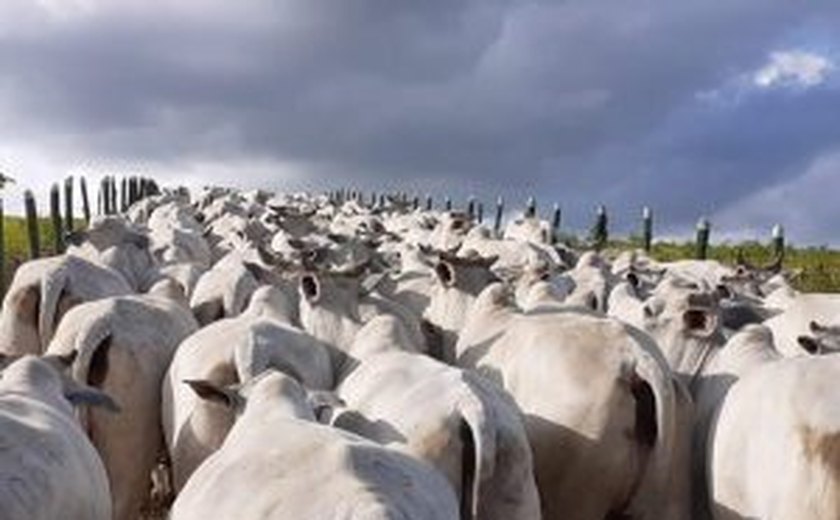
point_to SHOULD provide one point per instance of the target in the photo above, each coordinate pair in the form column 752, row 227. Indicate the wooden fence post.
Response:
column 123, row 195
column 531, row 208
column 778, row 242
column 471, row 208
column 69, row 224
column 102, row 197
column 555, row 223
column 32, row 224
column 500, row 210
column 601, row 230
column 55, row 216
column 480, row 212
column 704, row 228
column 133, row 191
column 447, row 203
column 110, row 197
column 647, row 228
column 429, row 203
column 85, row 200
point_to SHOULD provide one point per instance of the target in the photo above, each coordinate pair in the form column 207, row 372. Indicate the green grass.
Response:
column 818, row 267
column 16, row 241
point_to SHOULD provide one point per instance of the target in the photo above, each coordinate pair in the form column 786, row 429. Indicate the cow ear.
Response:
column 86, row 396
column 61, row 361
column 722, row 292
column 816, row 327
column 653, row 308
column 699, row 322
column 310, row 287
column 211, row 392
column 809, row 345
column 257, row 271
column 633, row 279
column 76, row 238
column 445, row 273
column 325, row 405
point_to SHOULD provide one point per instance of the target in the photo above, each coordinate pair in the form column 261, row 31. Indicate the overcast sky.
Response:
column 694, row 107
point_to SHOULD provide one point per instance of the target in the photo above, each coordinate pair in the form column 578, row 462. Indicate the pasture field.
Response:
column 818, row 268
column 17, row 241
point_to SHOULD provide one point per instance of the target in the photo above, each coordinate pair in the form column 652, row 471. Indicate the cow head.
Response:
column 458, row 281
column 685, row 321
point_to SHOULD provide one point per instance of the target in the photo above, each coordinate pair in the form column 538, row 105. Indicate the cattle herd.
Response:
column 251, row 356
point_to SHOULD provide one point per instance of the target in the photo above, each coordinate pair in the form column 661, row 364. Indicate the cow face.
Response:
column 686, row 324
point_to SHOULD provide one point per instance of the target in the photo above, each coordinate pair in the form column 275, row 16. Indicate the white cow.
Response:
column 231, row 351
column 124, row 346
column 224, row 290
column 277, row 463
column 807, row 323
column 42, row 291
column 422, row 407
column 48, row 468
column 775, row 444
column 458, row 282
column 334, row 305
column 609, row 415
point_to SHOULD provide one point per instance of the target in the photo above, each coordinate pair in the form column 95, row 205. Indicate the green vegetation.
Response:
column 817, row 268
column 17, row 241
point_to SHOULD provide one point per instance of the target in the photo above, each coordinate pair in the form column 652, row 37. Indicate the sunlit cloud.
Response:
column 793, row 68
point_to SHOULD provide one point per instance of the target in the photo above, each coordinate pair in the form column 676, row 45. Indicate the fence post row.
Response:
column 704, row 228
column 55, row 217
column 68, row 205
column 647, row 228
column 32, row 224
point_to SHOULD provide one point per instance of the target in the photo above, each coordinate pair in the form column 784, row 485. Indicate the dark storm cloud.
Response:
column 581, row 102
